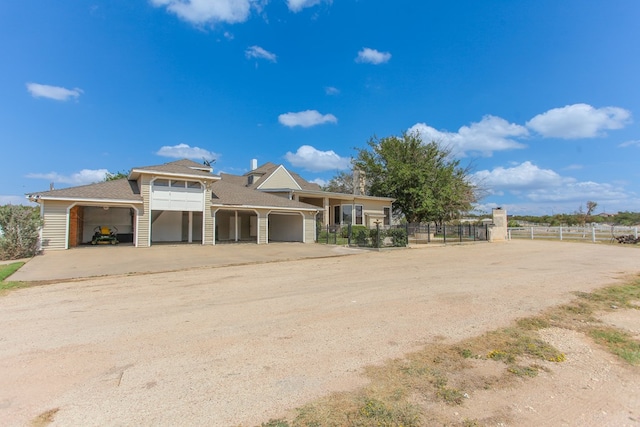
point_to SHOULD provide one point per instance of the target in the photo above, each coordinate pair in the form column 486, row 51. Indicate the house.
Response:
column 183, row 201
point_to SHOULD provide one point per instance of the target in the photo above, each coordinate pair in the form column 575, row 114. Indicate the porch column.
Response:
column 190, row 232
column 235, row 226
column 325, row 216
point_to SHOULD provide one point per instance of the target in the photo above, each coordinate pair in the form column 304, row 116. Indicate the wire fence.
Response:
column 606, row 234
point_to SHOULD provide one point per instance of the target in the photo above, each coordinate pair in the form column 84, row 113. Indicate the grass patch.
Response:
column 619, row 343
column 7, row 270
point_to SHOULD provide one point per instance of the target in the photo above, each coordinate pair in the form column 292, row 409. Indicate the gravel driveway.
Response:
column 237, row 345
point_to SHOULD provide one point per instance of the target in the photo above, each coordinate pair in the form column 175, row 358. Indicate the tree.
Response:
column 20, row 231
column 114, row 176
column 427, row 183
column 591, row 207
column 341, row 183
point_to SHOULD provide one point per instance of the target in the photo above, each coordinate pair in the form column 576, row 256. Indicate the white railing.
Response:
column 587, row 234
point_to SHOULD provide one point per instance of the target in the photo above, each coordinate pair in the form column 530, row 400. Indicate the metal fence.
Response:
column 446, row 233
column 401, row 235
column 607, row 234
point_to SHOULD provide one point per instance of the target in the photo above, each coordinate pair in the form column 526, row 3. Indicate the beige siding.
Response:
column 279, row 179
column 309, row 228
column 209, row 225
column 54, row 229
column 373, row 210
column 262, row 227
column 144, row 215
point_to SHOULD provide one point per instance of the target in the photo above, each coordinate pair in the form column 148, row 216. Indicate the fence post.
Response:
column 460, row 232
column 560, row 232
column 377, row 234
column 531, row 233
column 349, row 234
column 635, row 232
column 593, row 234
column 508, row 233
column 327, row 234
column 444, row 232
column 406, row 231
column 428, row 232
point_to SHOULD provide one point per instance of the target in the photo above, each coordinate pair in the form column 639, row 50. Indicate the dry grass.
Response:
column 402, row 391
column 44, row 418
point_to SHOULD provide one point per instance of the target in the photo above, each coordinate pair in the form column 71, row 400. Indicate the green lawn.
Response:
column 7, row 270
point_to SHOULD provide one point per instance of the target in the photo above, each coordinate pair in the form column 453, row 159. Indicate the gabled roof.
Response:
column 265, row 171
column 119, row 189
column 182, row 167
column 225, row 193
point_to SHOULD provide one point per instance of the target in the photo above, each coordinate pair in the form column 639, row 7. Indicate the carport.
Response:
column 236, row 225
column 84, row 220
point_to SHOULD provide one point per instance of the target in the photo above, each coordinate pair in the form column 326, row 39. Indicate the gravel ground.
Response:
column 237, row 345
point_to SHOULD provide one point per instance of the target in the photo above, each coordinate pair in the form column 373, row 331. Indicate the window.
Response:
column 336, row 215
column 178, row 184
column 387, row 216
column 347, row 214
column 194, row 184
column 161, row 183
column 359, row 216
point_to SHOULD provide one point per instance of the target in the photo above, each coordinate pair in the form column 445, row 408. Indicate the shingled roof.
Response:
column 119, row 189
column 265, row 171
column 226, row 193
column 179, row 167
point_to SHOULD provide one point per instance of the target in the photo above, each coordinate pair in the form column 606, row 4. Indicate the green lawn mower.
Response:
column 105, row 236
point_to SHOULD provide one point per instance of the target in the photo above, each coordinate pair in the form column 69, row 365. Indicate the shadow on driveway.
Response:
column 92, row 261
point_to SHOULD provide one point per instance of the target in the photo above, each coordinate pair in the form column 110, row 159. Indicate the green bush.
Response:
column 20, row 227
column 398, row 236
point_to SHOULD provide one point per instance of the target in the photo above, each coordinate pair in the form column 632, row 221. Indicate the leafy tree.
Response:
column 20, row 231
column 341, row 183
column 591, row 207
column 114, row 176
column 427, row 183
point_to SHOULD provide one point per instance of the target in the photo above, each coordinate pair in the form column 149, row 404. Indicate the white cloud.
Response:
column 490, row 134
column 53, row 92
column 306, row 118
column 321, row 182
column 525, row 176
column 545, row 185
column 184, row 151
column 372, row 56
column 297, row 5
column 85, row 176
column 330, row 90
column 260, row 53
column 579, row 192
column 314, row 160
column 200, row 12
column 633, row 143
column 579, row 121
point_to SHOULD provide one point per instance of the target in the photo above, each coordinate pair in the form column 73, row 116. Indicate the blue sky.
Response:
column 541, row 98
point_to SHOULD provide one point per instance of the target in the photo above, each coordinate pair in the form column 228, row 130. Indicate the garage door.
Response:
column 177, row 195
column 286, row 227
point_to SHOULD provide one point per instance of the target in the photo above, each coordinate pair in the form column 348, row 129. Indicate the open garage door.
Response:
column 286, row 227
column 91, row 218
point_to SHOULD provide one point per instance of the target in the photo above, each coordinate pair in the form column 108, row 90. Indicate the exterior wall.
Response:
column 144, row 215
column 279, row 179
column 309, row 228
column 208, row 238
column 373, row 210
column 76, row 220
column 263, row 229
column 498, row 231
column 54, row 230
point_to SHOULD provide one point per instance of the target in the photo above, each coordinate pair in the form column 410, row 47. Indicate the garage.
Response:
column 286, row 227
column 236, row 226
column 86, row 220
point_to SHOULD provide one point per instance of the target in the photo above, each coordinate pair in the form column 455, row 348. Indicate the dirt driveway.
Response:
column 238, row 345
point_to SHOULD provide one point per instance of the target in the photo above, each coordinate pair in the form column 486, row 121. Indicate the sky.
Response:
column 540, row 99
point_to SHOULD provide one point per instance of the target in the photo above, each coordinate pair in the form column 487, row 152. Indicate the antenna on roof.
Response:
column 208, row 163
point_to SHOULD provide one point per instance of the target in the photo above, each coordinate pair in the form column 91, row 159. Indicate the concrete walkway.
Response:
column 92, row 261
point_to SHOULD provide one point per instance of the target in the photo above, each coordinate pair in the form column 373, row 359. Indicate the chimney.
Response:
column 254, row 164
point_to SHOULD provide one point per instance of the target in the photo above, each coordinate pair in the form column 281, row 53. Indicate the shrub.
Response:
column 20, row 231
column 399, row 236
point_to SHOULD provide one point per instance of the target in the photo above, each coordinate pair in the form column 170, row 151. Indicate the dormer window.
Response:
column 250, row 179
